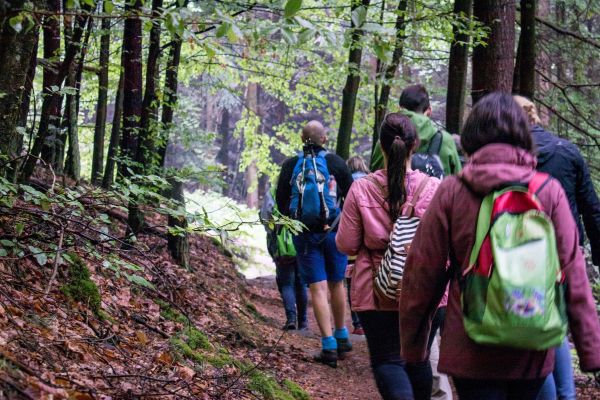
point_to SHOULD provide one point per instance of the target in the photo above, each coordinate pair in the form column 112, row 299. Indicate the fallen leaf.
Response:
column 142, row 337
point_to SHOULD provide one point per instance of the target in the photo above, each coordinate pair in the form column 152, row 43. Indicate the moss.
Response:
column 79, row 286
column 186, row 351
column 104, row 316
column 196, row 339
column 220, row 360
column 267, row 387
column 295, row 390
column 255, row 313
column 169, row 313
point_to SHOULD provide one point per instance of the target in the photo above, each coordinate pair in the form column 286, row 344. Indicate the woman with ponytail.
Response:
column 370, row 210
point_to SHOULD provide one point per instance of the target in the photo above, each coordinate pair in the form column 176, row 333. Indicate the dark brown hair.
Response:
column 398, row 139
column 415, row 98
column 496, row 118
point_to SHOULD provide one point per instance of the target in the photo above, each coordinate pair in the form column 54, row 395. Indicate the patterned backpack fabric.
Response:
column 430, row 162
column 512, row 292
column 387, row 276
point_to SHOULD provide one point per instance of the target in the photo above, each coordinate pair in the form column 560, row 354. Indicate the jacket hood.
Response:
column 425, row 126
column 545, row 142
column 496, row 164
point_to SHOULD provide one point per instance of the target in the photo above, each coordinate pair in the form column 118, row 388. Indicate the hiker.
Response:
column 562, row 159
column 311, row 186
column 289, row 282
column 372, row 206
column 414, row 103
column 487, row 356
column 359, row 170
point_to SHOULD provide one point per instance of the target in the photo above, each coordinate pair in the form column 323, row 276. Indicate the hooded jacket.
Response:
column 448, row 229
column 426, row 129
column 562, row 159
column 364, row 231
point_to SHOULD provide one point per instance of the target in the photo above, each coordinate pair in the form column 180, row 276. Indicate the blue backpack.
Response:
column 314, row 191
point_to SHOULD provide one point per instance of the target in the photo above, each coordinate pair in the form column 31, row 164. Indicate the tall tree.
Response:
column 524, row 76
column 16, row 51
column 101, row 105
column 251, row 181
column 382, row 98
column 132, row 101
column 457, row 68
column 115, row 136
column 493, row 64
column 352, row 80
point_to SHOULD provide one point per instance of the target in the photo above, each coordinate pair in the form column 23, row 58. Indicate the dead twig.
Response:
column 56, row 259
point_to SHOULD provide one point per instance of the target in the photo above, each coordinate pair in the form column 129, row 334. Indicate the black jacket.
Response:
column 562, row 159
column 336, row 167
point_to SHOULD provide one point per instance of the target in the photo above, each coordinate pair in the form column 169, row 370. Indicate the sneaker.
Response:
column 289, row 326
column 327, row 357
column 343, row 346
column 358, row 331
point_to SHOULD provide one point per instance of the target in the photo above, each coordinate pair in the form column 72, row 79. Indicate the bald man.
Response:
column 321, row 265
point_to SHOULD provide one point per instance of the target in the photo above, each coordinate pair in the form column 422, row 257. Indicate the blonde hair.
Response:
column 529, row 107
column 357, row 164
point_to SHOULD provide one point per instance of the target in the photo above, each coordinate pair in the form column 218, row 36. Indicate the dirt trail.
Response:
column 351, row 380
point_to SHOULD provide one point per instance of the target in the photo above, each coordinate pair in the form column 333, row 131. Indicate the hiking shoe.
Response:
column 343, row 346
column 327, row 357
column 358, row 331
column 289, row 326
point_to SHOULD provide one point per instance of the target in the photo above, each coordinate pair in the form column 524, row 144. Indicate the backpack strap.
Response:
column 435, row 146
column 483, row 227
column 538, row 182
column 410, row 205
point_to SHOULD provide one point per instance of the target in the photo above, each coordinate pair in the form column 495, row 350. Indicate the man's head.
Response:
column 314, row 132
column 415, row 98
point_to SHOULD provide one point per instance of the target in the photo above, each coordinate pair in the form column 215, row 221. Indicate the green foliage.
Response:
column 269, row 389
column 169, row 313
column 79, row 286
column 295, row 390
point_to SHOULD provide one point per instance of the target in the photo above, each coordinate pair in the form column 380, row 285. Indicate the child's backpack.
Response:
column 512, row 292
column 387, row 277
column 314, row 191
column 279, row 239
column 430, row 162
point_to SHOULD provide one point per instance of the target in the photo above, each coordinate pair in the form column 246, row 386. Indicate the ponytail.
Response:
column 398, row 138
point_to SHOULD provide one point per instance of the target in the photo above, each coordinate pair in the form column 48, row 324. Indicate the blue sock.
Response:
column 329, row 343
column 341, row 333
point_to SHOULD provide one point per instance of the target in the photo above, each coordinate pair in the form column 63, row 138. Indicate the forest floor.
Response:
column 207, row 333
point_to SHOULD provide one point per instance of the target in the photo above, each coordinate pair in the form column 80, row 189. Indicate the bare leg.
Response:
column 318, row 292
column 338, row 303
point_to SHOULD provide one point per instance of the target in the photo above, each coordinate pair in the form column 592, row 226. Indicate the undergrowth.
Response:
column 79, row 286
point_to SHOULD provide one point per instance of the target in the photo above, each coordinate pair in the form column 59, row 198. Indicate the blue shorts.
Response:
column 318, row 257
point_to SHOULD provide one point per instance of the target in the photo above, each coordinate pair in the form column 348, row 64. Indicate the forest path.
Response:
column 351, row 380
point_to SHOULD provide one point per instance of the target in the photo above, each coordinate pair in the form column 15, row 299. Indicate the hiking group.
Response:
column 488, row 255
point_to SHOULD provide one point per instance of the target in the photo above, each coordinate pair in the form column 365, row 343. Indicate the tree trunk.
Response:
column 132, row 104
column 101, row 111
column 251, row 181
column 16, row 52
column 115, row 136
column 457, row 71
column 26, row 98
column 178, row 245
column 223, row 154
column 49, row 125
column 524, row 82
column 390, row 72
column 351, row 88
column 171, row 82
column 146, row 149
column 53, row 100
column 493, row 65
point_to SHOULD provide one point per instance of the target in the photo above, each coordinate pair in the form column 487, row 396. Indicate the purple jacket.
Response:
column 364, row 231
column 448, row 228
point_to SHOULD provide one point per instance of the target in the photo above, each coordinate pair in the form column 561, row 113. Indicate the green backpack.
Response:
column 512, row 292
column 279, row 240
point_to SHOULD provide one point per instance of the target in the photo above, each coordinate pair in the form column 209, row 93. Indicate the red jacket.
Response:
column 448, row 229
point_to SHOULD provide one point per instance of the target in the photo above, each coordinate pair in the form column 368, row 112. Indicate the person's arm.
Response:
column 581, row 308
column 452, row 159
column 349, row 236
column 425, row 276
column 284, row 188
column 588, row 206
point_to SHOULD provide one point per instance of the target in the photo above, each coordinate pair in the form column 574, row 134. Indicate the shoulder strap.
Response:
column 483, row 227
column 538, row 182
column 383, row 190
column 409, row 206
column 436, row 144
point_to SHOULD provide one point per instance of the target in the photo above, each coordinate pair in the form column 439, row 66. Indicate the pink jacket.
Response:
column 364, row 231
